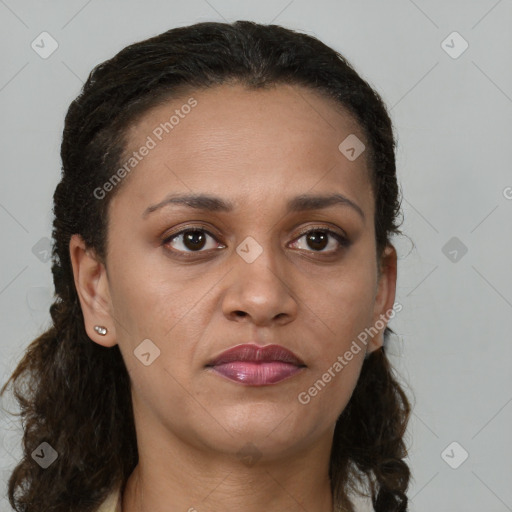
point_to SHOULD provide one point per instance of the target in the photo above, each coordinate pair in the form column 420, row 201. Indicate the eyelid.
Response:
column 189, row 227
column 340, row 237
column 323, row 227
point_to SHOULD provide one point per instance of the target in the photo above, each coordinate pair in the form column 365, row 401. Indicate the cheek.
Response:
column 147, row 300
column 337, row 361
column 346, row 307
column 169, row 309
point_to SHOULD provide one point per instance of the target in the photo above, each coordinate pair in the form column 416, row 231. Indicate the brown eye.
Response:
column 320, row 239
column 317, row 240
column 190, row 240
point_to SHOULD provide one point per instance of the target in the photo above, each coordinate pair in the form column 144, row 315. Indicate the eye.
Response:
column 195, row 239
column 318, row 239
column 192, row 239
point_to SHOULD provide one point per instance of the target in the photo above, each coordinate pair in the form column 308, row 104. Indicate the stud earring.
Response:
column 100, row 330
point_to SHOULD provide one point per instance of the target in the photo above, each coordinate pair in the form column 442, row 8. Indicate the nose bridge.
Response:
column 259, row 288
column 259, row 259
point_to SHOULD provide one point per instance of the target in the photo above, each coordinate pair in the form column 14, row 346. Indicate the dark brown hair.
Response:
column 75, row 394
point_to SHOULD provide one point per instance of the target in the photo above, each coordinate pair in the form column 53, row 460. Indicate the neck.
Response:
column 178, row 478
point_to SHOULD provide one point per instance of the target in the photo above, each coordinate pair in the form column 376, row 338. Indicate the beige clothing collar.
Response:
column 113, row 502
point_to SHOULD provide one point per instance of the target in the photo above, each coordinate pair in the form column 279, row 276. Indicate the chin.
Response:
column 271, row 427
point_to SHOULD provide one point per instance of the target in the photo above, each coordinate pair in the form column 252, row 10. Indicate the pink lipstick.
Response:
column 253, row 365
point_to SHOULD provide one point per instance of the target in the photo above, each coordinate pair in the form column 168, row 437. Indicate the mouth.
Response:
column 252, row 365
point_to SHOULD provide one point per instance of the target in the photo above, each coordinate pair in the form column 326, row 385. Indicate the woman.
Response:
column 224, row 277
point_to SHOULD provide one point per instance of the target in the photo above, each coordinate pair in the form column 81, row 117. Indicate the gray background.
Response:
column 452, row 117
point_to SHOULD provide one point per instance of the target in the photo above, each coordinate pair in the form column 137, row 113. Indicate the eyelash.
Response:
column 342, row 240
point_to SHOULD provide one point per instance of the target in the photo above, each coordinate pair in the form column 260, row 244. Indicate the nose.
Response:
column 259, row 291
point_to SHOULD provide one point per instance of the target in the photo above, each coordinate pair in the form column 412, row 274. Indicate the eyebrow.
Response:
column 211, row 203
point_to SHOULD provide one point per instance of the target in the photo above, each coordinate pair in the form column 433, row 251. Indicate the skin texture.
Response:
column 256, row 149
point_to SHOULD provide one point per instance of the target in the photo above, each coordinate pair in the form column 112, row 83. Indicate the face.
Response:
column 252, row 264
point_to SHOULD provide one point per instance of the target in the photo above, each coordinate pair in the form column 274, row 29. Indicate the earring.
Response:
column 100, row 330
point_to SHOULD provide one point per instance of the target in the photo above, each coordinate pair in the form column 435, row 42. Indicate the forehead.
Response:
column 248, row 142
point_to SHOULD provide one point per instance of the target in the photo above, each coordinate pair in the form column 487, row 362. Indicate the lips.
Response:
column 253, row 365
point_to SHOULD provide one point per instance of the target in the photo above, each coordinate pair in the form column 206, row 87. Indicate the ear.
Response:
column 91, row 283
column 385, row 295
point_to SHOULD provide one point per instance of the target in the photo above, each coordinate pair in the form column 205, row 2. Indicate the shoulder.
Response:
column 362, row 503
column 112, row 503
